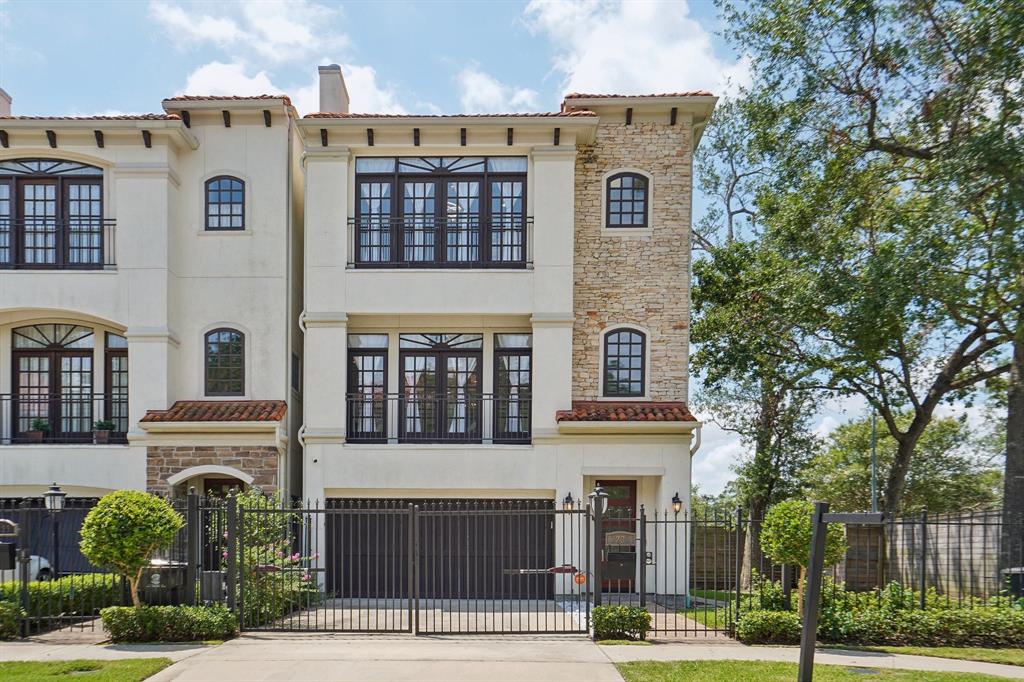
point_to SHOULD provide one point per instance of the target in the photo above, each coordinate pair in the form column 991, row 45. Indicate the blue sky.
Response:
column 66, row 58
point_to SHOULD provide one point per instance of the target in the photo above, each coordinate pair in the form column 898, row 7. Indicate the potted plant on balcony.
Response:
column 101, row 431
column 39, row 429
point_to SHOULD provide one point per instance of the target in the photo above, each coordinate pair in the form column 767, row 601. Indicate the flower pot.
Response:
column 101, row 437
column 34, row 436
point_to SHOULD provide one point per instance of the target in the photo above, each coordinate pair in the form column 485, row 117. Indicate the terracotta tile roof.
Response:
column 119, row 117
column 691, row 93
column 220, row 411
column 532, row 114
column 226, row 98
column 601, row 411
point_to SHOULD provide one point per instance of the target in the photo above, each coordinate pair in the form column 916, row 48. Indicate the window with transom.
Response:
column 225, row 203
column 624, row 363
column 626, row 201
column 225, row 362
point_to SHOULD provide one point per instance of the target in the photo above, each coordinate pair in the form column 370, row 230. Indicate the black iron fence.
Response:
column 493, row 566
column 78, row 243
column 440, row 418
column 30, row 418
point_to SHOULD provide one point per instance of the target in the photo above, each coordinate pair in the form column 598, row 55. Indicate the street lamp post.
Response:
column 55, row 499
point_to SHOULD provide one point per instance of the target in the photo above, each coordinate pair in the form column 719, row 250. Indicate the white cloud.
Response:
column 235, row 78
column 632, row 48
column 481, row 93
column 274, row 30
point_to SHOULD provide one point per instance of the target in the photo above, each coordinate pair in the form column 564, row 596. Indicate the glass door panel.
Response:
column 117, row 390
column 508, row 232
column 6, row 246
column 419, row 392
column 85, row 223
column 75, row 391
column 39, row 213
column 32, row 391
column 419, row 221
column 374, row 237
column 367, row 388
column 462, row 226
column 462, row 397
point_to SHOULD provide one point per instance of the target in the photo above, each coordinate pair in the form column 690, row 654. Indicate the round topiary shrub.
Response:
column 124, row 529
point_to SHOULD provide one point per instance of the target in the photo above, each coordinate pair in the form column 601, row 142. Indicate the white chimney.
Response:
column 5, row 103
column 333, row 93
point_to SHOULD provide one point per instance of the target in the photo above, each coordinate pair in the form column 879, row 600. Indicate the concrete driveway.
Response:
column 281, row 657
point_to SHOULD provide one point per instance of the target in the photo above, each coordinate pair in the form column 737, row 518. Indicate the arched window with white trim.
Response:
column 625, row 363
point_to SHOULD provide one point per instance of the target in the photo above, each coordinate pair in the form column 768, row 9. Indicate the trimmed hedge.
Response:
column 168, row 623
column 621, row 622
column 10, row 613
column 83, row 594
column 768, row 627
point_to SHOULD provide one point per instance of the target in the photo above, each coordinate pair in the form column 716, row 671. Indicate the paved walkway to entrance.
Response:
column 281, row 657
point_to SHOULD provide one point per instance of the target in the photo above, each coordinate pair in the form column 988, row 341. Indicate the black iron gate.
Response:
column 452, row 566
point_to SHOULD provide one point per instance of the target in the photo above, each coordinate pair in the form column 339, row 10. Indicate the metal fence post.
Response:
column 233, row 545
column 642, row 559
column 739, row 559
column 598, row 550
column 191, row 546
column 413, row 549
column 25, row 558
column 924, row 557
column 812, row 596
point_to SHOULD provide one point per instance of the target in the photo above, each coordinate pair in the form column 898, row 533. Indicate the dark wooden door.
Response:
column 619, row 531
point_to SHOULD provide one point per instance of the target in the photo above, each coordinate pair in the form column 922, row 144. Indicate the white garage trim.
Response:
column 205, row 469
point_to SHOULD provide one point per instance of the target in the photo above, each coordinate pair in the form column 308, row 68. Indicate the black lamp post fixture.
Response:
column 677, row 503
column 568, row 504
column 599, row 499
column 55, row 498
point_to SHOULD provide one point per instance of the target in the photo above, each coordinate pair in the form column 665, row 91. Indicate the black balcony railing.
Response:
column 49, row 244
column 440, row 242
column 417, row 418
column 29, row 418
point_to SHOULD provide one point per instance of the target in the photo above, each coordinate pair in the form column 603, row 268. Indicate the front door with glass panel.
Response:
column 440, row 375
column 619, row 557
column 53, row 382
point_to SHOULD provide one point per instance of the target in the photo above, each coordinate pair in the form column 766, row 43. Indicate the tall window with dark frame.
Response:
column 51, row 215
column 440, row 384
column 451, row 211
column 225, row 362
column 225, row 203
column 367, row 388
column 513, row 383
column 624, row 360
column 626, row 201
column 116, row 398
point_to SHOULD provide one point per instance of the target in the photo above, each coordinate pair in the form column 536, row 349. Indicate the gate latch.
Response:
column 649, row 558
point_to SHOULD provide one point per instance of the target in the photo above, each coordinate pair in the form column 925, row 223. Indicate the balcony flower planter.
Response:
column 33, row 436
column 101, row 432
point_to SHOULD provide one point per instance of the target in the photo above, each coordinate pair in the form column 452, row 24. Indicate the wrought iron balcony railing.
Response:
column 46, row 243
column 500, row 242
column 29, row 418
column 419, row 418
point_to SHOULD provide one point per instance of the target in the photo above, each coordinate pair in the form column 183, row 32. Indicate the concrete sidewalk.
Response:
column 344, row 658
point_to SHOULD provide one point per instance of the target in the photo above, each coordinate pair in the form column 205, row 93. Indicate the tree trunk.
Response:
column 906, row 443
column 1013, row 480
column 752, row 545
column 133, row 585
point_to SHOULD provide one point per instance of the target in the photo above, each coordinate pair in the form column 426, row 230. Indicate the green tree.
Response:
column 890, row 216
column 948, row 473
column 124, row 529
column 786, row 538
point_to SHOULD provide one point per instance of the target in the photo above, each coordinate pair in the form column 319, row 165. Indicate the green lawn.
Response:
column 733, row 671
column 124, row 670
column 1008, row 656
column 709, row 616
column 720, row 595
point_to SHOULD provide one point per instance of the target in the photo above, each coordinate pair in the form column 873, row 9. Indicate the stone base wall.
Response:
column 641, row 280
column 163, row 462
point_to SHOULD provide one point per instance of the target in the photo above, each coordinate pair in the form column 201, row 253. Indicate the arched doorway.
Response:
column 53, row 383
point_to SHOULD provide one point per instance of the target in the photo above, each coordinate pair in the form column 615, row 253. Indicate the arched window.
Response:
column 626, row 200
column 225, row 203
column 624, row 360
column 225, row 362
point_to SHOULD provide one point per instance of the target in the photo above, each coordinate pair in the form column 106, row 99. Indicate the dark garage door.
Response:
column 466, row 549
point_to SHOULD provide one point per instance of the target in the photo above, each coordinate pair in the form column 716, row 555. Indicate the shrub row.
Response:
column 83, row 594
column 621, row 622
column 989, row 626
column 168, row 623
column 10, row 613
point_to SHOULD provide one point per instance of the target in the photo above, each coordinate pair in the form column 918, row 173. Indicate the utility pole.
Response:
column 874, row 462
